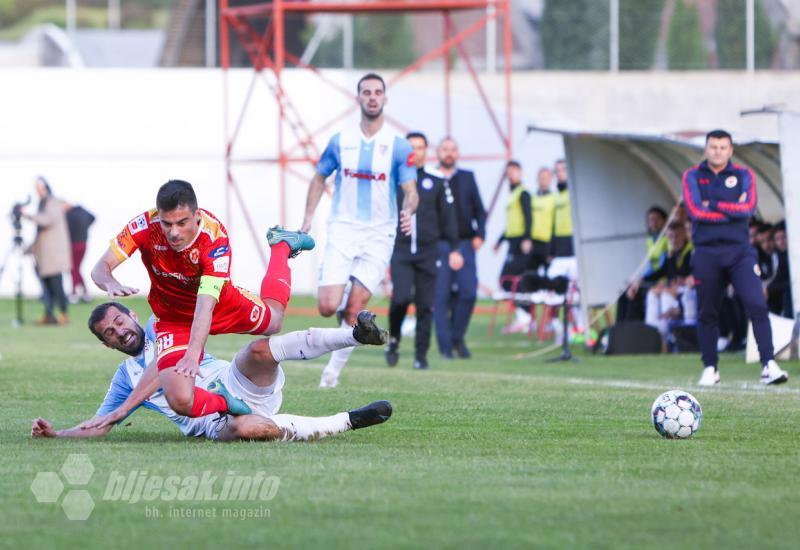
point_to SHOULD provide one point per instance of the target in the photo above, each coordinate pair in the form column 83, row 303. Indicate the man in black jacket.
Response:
column 415, row 260
column 456, row 291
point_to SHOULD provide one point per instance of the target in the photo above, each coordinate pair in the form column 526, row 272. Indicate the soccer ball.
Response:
column 676, row 414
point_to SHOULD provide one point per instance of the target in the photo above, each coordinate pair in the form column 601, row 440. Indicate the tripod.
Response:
column 566, row 353
column 16, row 253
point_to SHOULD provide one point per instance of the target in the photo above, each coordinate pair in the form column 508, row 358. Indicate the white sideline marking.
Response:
column 743, row 387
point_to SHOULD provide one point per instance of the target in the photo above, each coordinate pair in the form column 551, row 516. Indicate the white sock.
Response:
column 310, row 428
column 311, row 343
column 338, row 358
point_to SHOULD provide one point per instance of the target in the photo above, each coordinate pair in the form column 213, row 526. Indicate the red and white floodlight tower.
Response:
column 266, row 51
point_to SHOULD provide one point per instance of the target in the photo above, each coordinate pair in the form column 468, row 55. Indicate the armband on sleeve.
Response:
column 212, row 286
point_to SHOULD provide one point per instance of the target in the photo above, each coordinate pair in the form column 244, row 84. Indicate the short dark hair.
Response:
column 718, row 134
column 780, row 226
column 175, row 193
column 559, row 161
column 513, row 162
column 657, row 210
column 418, row 135
column 370, row 76
column 765, row 228
column 99, row 312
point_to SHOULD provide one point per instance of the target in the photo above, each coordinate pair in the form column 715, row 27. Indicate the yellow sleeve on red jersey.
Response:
column 132, row 236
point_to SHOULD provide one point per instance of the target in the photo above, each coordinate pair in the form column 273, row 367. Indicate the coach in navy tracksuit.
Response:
column 720, row 198
column 415, row 260
column 456, row 291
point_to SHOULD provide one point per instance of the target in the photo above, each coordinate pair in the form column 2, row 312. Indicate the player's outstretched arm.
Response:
column 189, row 364
column 146, row 387
column 315, row 190
column 102, row 277
column 43, row 429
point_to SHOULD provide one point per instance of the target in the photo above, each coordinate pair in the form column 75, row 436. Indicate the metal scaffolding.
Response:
column 295, row 141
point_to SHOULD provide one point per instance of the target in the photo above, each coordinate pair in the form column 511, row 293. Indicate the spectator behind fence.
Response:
column 51, row 251
column 630, row 306
column 78, row 221
column 457, row 291
column 779, row 291
column 671, row 300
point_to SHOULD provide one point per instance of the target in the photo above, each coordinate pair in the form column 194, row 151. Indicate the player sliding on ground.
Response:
column 186, row 252
column 255, row 375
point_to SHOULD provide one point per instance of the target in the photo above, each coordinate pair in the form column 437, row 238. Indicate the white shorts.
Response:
column 264, row 402
column 356, row 253
column 563, row 267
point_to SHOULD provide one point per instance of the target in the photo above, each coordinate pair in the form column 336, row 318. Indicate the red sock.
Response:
column 206, row 402
column 277, row 283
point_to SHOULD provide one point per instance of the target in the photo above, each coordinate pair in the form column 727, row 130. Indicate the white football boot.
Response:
column 773, row 374
column 709, row 377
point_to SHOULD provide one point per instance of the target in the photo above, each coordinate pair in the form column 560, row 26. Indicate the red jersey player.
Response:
column 186, row 252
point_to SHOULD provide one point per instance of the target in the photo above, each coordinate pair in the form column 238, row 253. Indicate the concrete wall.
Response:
column 108, row 138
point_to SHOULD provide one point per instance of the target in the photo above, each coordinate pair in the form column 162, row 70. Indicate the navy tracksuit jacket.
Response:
column 720, row 206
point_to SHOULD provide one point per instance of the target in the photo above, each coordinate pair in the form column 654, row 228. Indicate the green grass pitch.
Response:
column 491, row 452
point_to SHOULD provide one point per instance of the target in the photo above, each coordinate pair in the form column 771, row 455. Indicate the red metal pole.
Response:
column 225, row 62
column 507, row 55
column 280, row 55
column 448, row 125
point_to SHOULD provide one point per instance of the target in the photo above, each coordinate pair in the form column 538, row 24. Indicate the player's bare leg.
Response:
column 189, row 400
column 276, row 287
column 357, row 301
column 290, row 427
column 329, row 299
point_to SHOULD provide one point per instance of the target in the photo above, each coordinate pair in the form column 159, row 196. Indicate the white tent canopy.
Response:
column 615, row 178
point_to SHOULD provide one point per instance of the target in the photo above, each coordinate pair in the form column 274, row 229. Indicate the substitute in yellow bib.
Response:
column 562, row 250
column 518, row 223
column 543, row 210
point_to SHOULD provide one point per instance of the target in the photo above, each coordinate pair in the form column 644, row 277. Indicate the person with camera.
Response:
column 51, row 251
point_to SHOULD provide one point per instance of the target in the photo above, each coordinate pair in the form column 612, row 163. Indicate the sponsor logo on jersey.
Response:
column 222, row 264
column 194, row 256
column 179, row 276
column 219, row 251
column 704, row 181
column 731, row 181
column 427, row 184
column 137, row 224
column 160, row 247
column 364, row 175
column 757, row 270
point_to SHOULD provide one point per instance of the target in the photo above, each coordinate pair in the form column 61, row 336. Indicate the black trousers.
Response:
column 714, row 267
column 53, row 294
column 414, row 278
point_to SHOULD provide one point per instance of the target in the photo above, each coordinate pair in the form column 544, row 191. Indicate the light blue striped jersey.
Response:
column 368, row 172
column 129, row 374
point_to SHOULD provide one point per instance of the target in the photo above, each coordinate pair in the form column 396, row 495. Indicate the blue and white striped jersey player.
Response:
column 370, row 161
column 254, row 375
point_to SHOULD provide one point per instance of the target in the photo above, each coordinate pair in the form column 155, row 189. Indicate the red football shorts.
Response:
column 240, row 312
